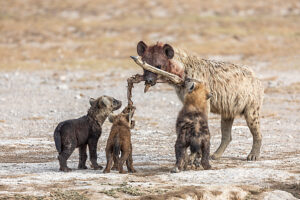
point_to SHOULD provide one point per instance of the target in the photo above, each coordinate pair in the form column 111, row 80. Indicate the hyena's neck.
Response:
column 195, row 68
column 98, row 118
column 201, row 108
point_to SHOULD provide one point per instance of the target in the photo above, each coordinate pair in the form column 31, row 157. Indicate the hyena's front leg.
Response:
column 82, row 157
column 226, row 126
column 92, row 142
column 180, row 152
column 252, row 118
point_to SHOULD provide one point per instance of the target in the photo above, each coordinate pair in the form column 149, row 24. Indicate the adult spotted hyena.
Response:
column 82, row 132
column 235, row 89
column 192, row 127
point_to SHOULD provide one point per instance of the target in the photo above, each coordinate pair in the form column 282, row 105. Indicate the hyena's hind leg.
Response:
column 226, row 126
column 64, row 156
column 205, row 149
column 252, row 119
column 180, row 153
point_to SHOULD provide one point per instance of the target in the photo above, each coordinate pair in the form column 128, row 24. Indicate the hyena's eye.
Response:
column 158, row 66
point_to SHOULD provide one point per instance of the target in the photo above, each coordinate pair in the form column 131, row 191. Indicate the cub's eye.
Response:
column 115, row 102
column 158, row 66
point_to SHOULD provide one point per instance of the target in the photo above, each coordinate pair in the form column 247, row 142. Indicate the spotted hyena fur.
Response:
column 192, row 127
column 235, row 89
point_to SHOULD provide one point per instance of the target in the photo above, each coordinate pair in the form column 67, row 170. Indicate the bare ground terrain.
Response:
column 55, row 55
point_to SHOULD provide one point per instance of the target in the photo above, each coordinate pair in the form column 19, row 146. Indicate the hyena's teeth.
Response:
column 147, row 86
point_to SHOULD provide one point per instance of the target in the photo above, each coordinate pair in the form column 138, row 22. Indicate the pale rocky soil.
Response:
column 55, row 55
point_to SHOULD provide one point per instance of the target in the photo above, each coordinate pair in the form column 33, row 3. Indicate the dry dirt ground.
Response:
column 55, row 55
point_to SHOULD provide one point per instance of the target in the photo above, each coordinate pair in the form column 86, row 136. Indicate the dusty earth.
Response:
column 55, row 55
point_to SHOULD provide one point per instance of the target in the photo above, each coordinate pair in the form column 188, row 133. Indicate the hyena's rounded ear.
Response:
column 92, row 101
column 209, row 95
column 141, row 48
column 106, row 101
column 169, row 51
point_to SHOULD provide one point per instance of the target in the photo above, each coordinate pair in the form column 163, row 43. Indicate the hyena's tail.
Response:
column 57, row 137
column 116, row 146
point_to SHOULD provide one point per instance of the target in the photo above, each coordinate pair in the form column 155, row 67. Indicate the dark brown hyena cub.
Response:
column 82, row 132
column 192, row 127
column 119, row 140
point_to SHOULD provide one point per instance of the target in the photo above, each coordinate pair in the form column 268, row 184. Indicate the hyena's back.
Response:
column 194, row 126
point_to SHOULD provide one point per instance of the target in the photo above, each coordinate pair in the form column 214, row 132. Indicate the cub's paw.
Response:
column 82, row 166
column 106, row 170
column 96, row 167
column 115, row 168
column 132, row 170
column 206, row 166
column 175, row 170
column 65, row 169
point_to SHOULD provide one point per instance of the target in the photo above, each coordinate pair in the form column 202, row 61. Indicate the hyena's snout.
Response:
column 150, row 78
column 116, row 104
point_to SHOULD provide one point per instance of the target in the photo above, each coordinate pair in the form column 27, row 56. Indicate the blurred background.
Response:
column 43, row 34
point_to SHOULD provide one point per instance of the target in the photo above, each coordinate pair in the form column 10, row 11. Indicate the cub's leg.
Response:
column 92, row 142
column 252, row 118
column 226, row 126
column 116, row 163
column 180, row 152
column 129, row 162
column 124, row 157
column 82, row 157
column 205, row 154
column 109, row 158
column 64, row 156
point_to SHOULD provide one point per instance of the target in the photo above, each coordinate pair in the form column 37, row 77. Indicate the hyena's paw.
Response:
column 215, row 156
column 65, row 169
column 132, row 170
column 175, row 170
column 106, row 170
column 252, row 157
column 115, row 168
column 122, row 172
column 81, row 166
column 206, row 166
column 96, row 167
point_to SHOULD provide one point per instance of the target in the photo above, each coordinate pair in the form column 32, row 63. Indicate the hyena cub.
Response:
column 82, row 132
column 119, row 140
column 192, row 127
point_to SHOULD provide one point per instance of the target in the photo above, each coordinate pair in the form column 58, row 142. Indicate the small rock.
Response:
column 78, row 96
column 62, row 87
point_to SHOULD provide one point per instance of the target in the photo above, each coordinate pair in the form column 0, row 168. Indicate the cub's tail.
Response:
column 57, row 137
column 116, row 146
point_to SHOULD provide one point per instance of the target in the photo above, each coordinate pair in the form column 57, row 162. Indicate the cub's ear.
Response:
column 111, row 118
column 141, row 48
column 208, row 95
column 191, row 87
column 169, row 51
column 92, row 101
column 106, row 101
